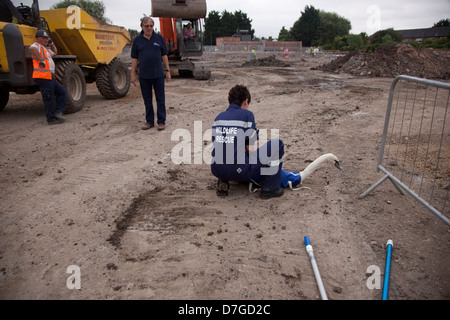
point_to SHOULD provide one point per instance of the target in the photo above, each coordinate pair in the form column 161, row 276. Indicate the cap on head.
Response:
column 42, row 33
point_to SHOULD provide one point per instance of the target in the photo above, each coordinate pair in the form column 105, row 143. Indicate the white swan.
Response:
column 329, row 157
column 310, row 168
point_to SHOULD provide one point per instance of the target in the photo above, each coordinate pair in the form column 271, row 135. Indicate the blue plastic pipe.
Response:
column 309, row 250
column 387, row 270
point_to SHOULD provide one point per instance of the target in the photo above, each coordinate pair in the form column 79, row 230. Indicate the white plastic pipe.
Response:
column 310, row 251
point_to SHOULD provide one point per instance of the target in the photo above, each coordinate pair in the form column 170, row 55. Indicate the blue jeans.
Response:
column 268, row 175
column 262, row 166
column 54, row 97
column 147, row 86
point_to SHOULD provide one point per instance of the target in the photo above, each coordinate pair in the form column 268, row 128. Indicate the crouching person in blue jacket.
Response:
column 235, row 157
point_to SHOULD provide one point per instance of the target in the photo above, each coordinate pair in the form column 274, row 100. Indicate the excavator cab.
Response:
column 190, row 30
column 184, row 37
column 180, row 23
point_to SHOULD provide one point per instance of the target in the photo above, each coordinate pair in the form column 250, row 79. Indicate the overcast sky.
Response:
column 269, row 16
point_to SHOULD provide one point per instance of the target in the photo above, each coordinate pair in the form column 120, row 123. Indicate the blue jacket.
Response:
column 232, row 130
column 148, row 52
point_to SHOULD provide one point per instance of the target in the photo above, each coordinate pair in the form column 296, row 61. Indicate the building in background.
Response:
column 419, row 35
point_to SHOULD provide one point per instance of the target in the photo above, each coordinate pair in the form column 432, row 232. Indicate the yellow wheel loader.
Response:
column 88, row 52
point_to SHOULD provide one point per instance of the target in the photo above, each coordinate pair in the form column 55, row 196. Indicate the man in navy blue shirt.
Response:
column 235, row 157
column 148, row 50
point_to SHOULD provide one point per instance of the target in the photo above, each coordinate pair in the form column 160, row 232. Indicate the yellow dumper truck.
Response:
column 88, row 52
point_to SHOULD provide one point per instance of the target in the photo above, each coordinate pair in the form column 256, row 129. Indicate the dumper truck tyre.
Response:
column 4, row 98
column 71, row 77
column 113, row 79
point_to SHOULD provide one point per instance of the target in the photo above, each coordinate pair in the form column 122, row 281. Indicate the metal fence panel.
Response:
column 415, row 146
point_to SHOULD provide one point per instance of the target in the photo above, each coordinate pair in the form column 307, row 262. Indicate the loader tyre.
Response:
column 4, row 98
column 113, row 79
column 70, row 76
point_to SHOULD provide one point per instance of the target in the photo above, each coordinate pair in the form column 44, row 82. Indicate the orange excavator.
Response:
column 181, row 26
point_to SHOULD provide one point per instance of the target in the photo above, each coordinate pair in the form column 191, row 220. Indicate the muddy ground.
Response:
column 101, row 194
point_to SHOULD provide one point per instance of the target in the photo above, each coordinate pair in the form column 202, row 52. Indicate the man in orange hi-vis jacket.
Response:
column 53, row 94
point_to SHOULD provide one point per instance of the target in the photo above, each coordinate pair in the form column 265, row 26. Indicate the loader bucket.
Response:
column 91, row 40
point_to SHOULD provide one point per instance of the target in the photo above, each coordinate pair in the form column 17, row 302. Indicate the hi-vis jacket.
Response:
column 43, row 69
column 232, row 130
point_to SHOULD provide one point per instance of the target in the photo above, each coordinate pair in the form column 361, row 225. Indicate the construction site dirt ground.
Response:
column 100, row 194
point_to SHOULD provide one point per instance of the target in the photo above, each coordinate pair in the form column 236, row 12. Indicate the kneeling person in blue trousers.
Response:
column 235, row 157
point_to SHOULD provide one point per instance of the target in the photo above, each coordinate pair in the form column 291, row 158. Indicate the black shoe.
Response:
column 59, row 116
column 267, row 194
column 54, row 121
column 222, row 188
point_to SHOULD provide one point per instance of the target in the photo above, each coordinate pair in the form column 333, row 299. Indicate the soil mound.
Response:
column 394, row 60
column 270, row 61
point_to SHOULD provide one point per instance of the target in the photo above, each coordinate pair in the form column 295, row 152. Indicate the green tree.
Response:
column 364, row 37
column 243, row 22
column 387, row 39
column 212, row 24
column 95, row 8
column 306, row 28
column 442, row 23
column 228, row 25
column 284, row 35
column 317, row 27
column 133, row 33
column 225, row 25
column 379, row 36
column 332, row 26
column 354, row 42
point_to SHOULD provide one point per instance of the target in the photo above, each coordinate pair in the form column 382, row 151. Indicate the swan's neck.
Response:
column 314, row 165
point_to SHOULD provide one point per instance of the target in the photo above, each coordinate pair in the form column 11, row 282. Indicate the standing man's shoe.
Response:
column 147, row 126
column 54, row 121
column 161, row 126
column 59, row 116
